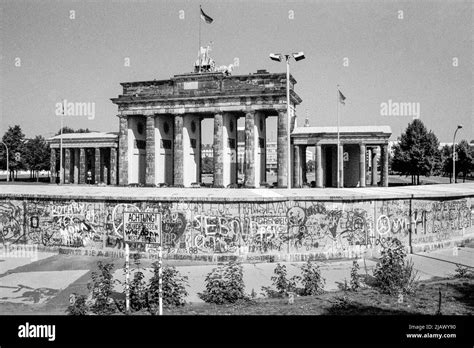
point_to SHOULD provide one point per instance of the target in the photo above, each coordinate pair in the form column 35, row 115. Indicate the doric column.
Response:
column 341, row 165
column 52, row 168
column 150, row 151
column 76, row 166
column 319, row 167
column 67, row 166
column 385, row 165
column 82, row 166
column 61, row 165
column 97, row 166
column 282, row 149
column 374, row 180
column 249, row 165
column 362, row 165
column 113, row 166
column 303, row 165
column 178, row 150
column 218, row 150
column 123, row 151
column 296, row 166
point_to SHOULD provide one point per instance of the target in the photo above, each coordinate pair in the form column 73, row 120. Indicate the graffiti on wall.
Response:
column 240, row 227
column 11, row 220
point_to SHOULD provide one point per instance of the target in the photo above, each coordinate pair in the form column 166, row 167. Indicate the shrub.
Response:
column 393, row 273
column 253, row 294
column 224, row 284
column 355, row 284
column 340, row 305
column 101, row 287
column 343, row 286
column 138, row 292
column 138, row 286
column 461, row 271
column 281, row 283
column 77, row 305
column 313, row 282
column 173, row 286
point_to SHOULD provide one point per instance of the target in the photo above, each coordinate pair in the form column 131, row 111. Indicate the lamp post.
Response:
column 454, row 152
column 8, row 172
column 278, row 57
column 61, row 178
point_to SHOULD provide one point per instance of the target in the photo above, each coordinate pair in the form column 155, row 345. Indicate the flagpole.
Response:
column 338, row 141
column 61, row 174
column 200, row 9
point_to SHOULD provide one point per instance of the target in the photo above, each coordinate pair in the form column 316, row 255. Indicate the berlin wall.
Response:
column 277, row 230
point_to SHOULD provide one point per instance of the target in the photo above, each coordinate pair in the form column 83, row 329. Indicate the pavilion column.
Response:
column 97, row 166
column 282, row 149
column 249, row 165
column 384, row 165
column 104, row 166
column 150, row 151
column 362, row 165
column 218, row 150
column 123, row 151
column 319, row 167
column 178, row 166
column 304, row 179
column 52, row 167
column 296, row 166
column 113, row 166
column 374, row 180
column 67, row 166
column 341, row 165
column 76, row 166
column 82, row 166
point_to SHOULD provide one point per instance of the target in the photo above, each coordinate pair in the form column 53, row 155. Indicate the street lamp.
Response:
column 61, row 174
column 278, row 58
column 6, row 147
column 454, row 152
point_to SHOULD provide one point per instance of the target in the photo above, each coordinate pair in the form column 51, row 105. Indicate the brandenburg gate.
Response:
column 160, row 127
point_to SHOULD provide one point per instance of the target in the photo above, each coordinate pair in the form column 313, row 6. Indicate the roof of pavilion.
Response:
column 90, row 135
column 353, row 130
column 348, row 134
column 91, row 139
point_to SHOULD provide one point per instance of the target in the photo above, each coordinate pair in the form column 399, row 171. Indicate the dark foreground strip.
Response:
column 224, row 331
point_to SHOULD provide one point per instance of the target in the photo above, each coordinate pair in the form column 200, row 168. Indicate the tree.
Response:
column 14, row 139
column 464, row 162
column 417, row 152
column 67, row 130
column 37, row 155
column 447, row 161
column 310, row 166
column 465, row 159
column 207, row 165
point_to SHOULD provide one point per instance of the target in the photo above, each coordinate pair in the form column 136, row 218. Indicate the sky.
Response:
column 417, row 52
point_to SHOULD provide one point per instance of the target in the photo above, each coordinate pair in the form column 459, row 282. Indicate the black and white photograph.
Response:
column 191, row 172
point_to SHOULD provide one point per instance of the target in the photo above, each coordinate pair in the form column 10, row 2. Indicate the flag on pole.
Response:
column 341, row 98
column 205, row 17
